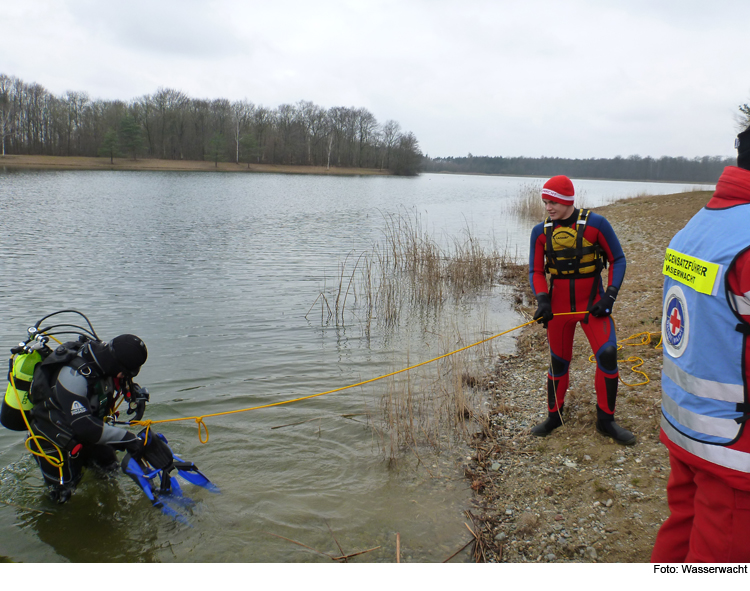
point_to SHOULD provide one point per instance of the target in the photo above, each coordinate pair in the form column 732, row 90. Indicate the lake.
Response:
column 221, row 276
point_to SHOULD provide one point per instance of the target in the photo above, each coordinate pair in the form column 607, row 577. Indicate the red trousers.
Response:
column 709, row 521
column 600, row 333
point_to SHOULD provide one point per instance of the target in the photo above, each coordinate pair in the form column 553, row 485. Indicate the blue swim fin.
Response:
column 189, row 472
column 143, row 478
column 167, row 495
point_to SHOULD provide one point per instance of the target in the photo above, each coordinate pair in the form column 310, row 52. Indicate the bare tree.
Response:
column 7, row 110
column 743, row 119
column 366, row 126
column 390, row 134
column 242, row 111
column 263, row 120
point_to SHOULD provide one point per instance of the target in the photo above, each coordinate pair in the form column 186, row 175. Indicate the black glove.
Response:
column 134, row 446
column 137, row 399
column 543, row 312
column 157, row 452
column 604, row 306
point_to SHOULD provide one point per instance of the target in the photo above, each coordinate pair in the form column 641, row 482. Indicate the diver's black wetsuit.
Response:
column 71, row 414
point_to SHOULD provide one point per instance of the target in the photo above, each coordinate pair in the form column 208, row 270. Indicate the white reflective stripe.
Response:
column 580, row 221
column 716, row 454
column 552, row 193
column 548, row 225
column 727, row 428
column 703, row 388
column 741, row 304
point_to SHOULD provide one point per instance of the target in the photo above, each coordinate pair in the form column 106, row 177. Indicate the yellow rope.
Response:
column 202, row 428
column 621, row 344
column 58, row 461
column 203, row 434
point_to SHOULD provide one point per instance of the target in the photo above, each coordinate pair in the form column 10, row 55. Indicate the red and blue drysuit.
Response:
column 578, row 294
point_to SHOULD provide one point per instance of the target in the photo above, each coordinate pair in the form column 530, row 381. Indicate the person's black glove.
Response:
column 157, row 452
column 543, row 312
column 604, row 306
column 134, row 446
column 137, row 399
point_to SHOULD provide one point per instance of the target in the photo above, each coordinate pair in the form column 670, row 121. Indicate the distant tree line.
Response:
column 698, row 170
column 171, row 125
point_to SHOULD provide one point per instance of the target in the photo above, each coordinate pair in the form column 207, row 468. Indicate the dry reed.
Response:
column 409, row 271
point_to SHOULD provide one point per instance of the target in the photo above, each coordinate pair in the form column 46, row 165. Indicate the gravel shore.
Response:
column 576, row 496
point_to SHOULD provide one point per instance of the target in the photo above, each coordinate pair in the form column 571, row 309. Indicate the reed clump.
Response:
column 527, row 204
column 433, row 408
column 408, row 271
column 408, row 268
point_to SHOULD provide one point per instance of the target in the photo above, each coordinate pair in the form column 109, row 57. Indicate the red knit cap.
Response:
column 559, row 189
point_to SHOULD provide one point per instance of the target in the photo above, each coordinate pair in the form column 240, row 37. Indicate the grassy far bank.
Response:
column 103, row 163
column 576, row 496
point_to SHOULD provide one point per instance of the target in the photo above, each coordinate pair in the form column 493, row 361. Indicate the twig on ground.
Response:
column 353, row 554
column 26, row 508
column 461, row 549
column 343, row 556
column 303, row 545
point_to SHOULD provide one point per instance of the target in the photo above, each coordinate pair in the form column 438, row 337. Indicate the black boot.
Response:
column 605, row 424
column 554, row 420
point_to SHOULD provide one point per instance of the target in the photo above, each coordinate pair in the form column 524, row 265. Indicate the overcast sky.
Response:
column 567, row 78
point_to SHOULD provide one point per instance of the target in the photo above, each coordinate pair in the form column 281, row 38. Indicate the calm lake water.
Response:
column 217, row 273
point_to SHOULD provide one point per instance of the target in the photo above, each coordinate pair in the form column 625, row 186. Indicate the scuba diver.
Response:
column 67, row 399
column 574, row 246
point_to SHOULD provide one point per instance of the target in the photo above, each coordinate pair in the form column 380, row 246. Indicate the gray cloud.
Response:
column 579, row 78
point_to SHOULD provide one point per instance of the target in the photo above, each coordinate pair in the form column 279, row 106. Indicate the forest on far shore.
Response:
column 633, row 168
column 171, row 125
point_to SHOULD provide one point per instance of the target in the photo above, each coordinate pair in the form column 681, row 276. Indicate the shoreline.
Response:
column 580, row 178
column 576, row 496
column 26, row 162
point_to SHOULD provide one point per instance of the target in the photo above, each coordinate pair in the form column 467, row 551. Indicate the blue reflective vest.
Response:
column 704, row 394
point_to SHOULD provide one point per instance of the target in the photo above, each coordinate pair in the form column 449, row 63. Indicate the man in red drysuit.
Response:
column 703, row 420
column 573, row 246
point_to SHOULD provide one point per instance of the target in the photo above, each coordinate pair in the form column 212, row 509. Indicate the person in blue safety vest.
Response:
column 573, row 246
column 706, row 376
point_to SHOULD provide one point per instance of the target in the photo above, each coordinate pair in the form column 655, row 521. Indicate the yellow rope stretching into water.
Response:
column 202, row 428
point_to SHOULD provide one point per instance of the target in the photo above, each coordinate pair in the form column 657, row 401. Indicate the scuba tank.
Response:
column 16, row 400
column 15, row 412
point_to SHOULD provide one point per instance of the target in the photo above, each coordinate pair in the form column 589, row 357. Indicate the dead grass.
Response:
column 86, row 163
column 528, row 204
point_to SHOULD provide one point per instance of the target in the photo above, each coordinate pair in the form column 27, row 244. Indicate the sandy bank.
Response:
column 577, row 496
column 85, row 163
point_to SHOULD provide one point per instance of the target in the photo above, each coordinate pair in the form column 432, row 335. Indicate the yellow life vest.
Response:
column 569, row 254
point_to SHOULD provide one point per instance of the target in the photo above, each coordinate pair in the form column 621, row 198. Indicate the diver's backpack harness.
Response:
column 34, row 359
